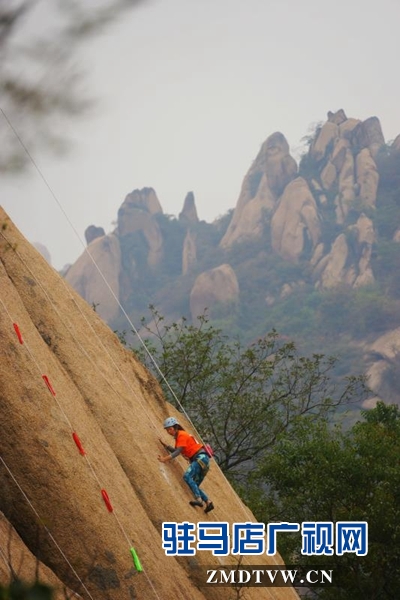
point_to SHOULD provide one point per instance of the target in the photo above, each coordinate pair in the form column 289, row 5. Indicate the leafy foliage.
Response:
column 241, row 398
column 18, row 590
column 320, row 473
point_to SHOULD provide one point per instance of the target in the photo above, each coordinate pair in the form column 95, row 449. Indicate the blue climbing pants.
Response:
column 195, row 474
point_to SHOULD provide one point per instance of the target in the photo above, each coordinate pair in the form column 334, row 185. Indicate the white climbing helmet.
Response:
column 170, row 422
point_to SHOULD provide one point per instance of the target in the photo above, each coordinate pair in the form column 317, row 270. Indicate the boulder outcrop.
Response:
column 295, row 221
column 92, row 232
column 188, row 215
column 344, row 152
column 43, row 251
column 382, row 356
column 18, row 561
column 136, row 215
column 367, row 177
column 349, row 260
column 79, row 476
column 189, row 254
column 271, row 171
column 324, row 140
column 95, row 275
column 369, row 135
column 217, row 287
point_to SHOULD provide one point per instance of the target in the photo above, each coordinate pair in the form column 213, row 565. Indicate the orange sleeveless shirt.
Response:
column 188, row 443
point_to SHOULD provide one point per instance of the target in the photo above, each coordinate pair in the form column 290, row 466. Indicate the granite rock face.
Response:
column 188, row 215
column 270, row 172
column 295, row 220
column 276, row 202
column 92, row 232
column 136, row 216
column 95, row 275
column 79, row 478
column 216, row 287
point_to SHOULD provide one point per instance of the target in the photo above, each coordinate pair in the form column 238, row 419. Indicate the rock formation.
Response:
column 43, row 251
column 144, row 199
column 79, row 476
column 349, row 260
column 136, row 216
column 382, row 355
column 189, row 254
column 18, row 560
column 188, row 215
column 295, row 221
column 95, row 272
column 271, row 171
column 289, row 207
column 214, row 288
column 92, row 232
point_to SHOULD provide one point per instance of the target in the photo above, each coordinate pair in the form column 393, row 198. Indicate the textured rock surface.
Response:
column 43, row 251
column 188, row 215
column 17, row 560
column 104, row 395
column 145, row 199
column 217, row 286
column 136, row 215
column 92, row 232
column 295, row 220
column 382, row 355
column 308, row 214
column 86, row 279
column 367, row 177
column 189, row 254
column 346, row 184
column 271, row 171
column 344, row 264
column 369, row 135
column 326, row 137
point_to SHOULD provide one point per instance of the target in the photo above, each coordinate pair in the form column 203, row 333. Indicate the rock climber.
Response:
column 189, row 448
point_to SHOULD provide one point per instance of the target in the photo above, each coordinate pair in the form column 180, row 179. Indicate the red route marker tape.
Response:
column 18, row 332
column 107, row 501
column 78, row 443
column 47, row 382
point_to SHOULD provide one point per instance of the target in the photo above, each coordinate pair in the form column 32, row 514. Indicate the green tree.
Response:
column 241, row 398
column 321, row 473
column 18, row 590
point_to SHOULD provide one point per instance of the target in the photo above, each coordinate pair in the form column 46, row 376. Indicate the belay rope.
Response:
column 207, row 447
column 78, row 443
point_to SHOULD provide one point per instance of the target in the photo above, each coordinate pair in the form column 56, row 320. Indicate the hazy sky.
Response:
column 187, row 91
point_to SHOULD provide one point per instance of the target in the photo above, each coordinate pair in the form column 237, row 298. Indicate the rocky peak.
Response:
column 137, row 215
column 92, row 232
column 369, row 135
column 189, row 253
column 217, row 287
column 43, row 251
column 89, row 273
column 271, row 171
column 188, row 215
column 144, row 199
column 337, row 117
column 396, row 144
column 280, row 166
column 349, row 258
column 295, row 221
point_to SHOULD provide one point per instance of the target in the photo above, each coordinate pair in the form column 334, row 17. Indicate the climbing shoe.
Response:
column 196, row 503
column 210, row 506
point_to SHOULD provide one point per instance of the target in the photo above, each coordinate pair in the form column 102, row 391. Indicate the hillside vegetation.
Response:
column 311, row 250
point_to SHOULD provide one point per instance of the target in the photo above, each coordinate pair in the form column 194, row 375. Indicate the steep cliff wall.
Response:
column 80, row 515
